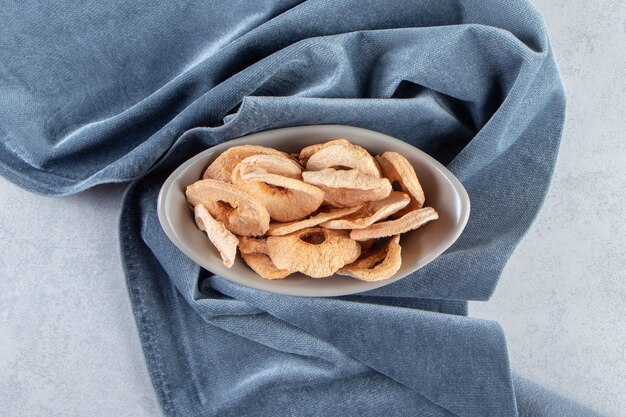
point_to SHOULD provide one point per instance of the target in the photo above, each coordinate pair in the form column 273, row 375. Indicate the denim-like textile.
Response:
column 98, row 92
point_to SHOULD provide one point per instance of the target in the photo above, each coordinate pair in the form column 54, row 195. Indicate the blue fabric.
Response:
column 100, row 92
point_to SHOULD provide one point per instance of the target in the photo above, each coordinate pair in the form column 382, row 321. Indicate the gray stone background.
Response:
column 68, row 344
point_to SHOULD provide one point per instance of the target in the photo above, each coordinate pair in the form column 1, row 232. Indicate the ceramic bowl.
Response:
column 443, row 191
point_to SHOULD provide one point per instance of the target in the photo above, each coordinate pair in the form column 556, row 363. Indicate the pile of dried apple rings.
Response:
column 331, row 208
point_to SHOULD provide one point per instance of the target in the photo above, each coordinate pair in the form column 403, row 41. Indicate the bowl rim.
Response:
column 465, row 206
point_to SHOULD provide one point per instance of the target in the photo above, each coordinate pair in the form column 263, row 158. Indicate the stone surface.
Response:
column 68, row 343
column 562, row 296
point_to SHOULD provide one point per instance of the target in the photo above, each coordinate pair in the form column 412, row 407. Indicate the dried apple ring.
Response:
column 263, row 266
column 396, row 167
column 280, row 229
column 367, row 244
column 273, row 164
column 251, row 244
column 378, row 264
column 223, row 166
column 347, row 188
column 344, row 155
column 237, row 209
column 316, row 252
column 224, row 241
column 410, row 221
column 370, row 213
column 285, row 199
column 308, row 151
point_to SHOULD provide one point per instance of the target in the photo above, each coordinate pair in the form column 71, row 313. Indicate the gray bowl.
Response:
column 443, row 192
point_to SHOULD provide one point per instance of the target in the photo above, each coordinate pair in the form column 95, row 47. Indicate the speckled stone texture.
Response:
column 68, row 343
column 561, row 299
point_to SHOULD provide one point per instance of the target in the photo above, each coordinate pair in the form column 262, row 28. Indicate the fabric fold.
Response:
column 409, row 346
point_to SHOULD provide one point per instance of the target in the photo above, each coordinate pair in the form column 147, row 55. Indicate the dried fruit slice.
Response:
column 344, row 155
column 307, row 152
column 222, row 239
column 370, row 213
column 410, row 221
column 263, row 265
column 238, row 210
column 395, row 167
column 285, row 199
column 378, row 264
column 316, row 252
column 346, row 188
column 280, row 229
column 367, row 244
column 252, row 244
column 222, row 167
column 273, row 164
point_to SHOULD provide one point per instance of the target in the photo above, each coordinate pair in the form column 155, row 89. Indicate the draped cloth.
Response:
column 94, row 93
